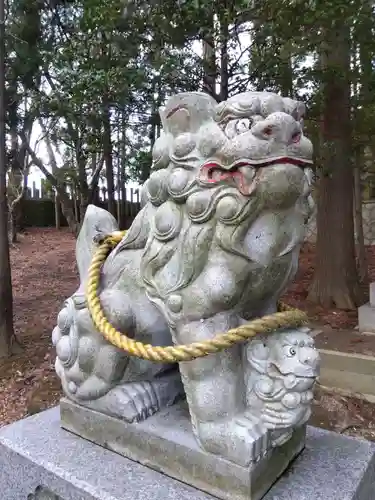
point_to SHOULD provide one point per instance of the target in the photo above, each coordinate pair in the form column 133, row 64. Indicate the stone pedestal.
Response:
column 366, row 313
column 41, row 461
column 165, row 442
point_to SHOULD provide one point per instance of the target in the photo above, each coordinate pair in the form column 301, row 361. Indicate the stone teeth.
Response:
column 248, row 173
column 216, row 175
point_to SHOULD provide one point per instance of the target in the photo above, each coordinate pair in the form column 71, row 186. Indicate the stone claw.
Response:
column 277, row 419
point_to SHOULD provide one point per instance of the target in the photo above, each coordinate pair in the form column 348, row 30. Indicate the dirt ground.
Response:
column 44, row 274
column 349, row 416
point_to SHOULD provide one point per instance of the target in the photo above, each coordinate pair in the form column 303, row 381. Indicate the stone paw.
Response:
column 275, row 418
column 259, row 437
column 280, row 438
column 241, row 440
column 139, row 401
column 132, row 402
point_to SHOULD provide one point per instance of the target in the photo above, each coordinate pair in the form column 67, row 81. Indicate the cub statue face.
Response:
column 281, row 372
column 294, row 354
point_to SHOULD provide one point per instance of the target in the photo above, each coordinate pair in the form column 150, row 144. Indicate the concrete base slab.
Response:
column 165, row 442
column 348, row 371
column 39, row 460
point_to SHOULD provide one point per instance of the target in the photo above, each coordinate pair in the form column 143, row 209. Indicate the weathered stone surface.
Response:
column 366, row 313
column 36, row 451
column 215, row 245
column 331, row 467
column 366, row 318
column 372, row 294
column 43, row 493
column 165, row 442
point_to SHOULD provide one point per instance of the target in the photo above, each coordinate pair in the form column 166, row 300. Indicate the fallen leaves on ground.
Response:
column 346, row 415
column 44, row 274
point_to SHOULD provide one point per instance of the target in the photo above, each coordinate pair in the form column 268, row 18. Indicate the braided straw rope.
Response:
column 287, row 317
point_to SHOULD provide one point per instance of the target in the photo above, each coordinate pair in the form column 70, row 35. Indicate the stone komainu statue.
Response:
column 214, row 246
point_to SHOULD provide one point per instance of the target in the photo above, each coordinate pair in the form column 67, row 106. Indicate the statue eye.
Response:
column 242, row 125
column 267, row 131
column 292, row 351
column 296, row 137
column 237, row 127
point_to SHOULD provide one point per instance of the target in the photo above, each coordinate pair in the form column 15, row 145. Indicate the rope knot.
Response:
column 111, row 239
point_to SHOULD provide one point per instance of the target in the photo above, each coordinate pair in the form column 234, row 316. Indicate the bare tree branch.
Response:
column 37, row 162
column 20, row 193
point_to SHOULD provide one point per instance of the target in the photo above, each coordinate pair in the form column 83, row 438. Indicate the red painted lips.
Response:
column 243, row 173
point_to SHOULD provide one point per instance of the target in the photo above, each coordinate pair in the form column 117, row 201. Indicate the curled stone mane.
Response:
column 184, row 224
column 258, row 104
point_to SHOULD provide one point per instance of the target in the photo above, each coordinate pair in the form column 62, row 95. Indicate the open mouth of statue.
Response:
column 307, row 375
column 244, row 173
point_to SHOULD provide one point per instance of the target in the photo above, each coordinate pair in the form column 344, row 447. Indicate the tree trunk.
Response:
column 209, row 61
column 118, row 166
column 83, row 193
column 122, row 178
column 108, row 159
column 362, row 56
column 67, row 206
column 153, row 123
column 15, row 181
column 6, row 296
column 57, row 212
column 50, row 152
column 17, row 185
column 335, row 281
column 224, row 37
column 287, row 76
column 12, row 227
column 87, row 198
column 93, row 193
column 360, row 237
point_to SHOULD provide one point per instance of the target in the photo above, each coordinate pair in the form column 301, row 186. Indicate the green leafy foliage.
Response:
column 69, row 62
